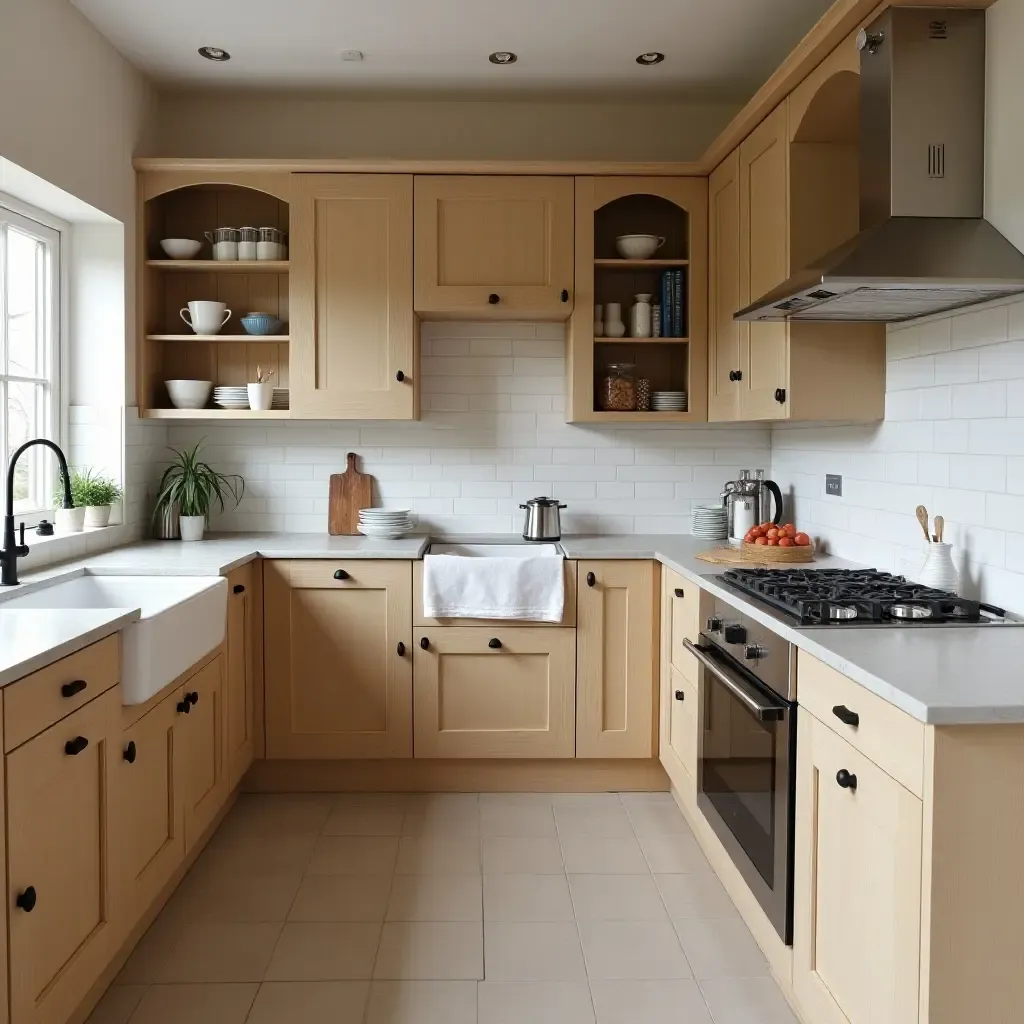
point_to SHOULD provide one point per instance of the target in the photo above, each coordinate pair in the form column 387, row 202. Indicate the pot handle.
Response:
column 522, row 506
column 563, row 506
column 777, row 495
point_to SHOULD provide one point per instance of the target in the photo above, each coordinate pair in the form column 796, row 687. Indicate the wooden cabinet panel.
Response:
column 680, row 726
column 616, row 657
column 336, row 684
column 724, row 357
column 495, row 691
column 62, row 924
column 488, row 235
column 683, row 599
column 857, row 917
column 352, row 325
column 205, row 780
column 239, row 686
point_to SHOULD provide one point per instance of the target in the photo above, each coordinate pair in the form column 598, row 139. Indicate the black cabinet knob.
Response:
column 846, row 716
column 680, row 695
column 340, row 574
column 494, row 298
column 780, row 396
column 735, row 634
column 424, row 643
column 565, row 294
column 75, row 686
column 238, row 588
column 27, row 899
column 192, row 698
column 74, row 747
column 735, row 375
column 401, row 649
column 130, row 752
column 678, row 591
column 183, row 707
column 591, row 580
column 845, row 779
column 494, row 643
column 714, row 624
column 400, row 376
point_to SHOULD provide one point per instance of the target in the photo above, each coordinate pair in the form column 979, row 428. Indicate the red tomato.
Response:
column 772, row 534
column 802, row 540
column 789, row 530
column 761, row 540
column 767, row 525
column 773, row 542
column 785, row 542
column 790, row 526
column 757, row 531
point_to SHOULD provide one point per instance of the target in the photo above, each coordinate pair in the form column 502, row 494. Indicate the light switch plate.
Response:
column 834, row 484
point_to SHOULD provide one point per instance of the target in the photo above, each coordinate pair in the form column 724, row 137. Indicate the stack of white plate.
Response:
column 231, row 397
column 709, row 522
column 384, row 522
column 668, row 401
column 280, row 398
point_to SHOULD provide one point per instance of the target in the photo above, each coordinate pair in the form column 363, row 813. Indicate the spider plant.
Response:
column 195, row 486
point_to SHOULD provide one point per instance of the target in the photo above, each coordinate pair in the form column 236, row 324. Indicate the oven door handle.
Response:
column 750, row 697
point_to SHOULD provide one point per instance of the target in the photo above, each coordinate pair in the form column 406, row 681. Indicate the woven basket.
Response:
column 765, row 553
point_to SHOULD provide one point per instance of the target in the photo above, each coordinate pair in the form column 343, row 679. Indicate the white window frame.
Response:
column 56, row 232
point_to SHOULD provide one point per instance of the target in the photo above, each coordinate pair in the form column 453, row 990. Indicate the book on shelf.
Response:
column 680, row 303
column 666, row 304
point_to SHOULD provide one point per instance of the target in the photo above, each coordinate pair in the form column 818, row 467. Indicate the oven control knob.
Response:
column 715, row 624
column 754, row 652
column 735, row 634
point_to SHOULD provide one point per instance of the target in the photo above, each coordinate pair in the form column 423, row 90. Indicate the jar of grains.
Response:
column 618, row 388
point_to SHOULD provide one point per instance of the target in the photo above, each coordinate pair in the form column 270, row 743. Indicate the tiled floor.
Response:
column 449, row 909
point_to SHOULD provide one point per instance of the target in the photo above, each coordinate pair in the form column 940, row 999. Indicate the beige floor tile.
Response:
column 353, row 855
column 527, row 898
column 117, row 1005
column 535, row 1002
column 438, row 855
column 721, row 948
column 154, row 947
column 616, row 898
column 422, row 1002
column 610, row 822
column 196, row 1004
column 697, row 895
column 435, row 898
column 646, row 798
column 367, row 815
column 341, row 898
column 587, row 855
column 673, row 854
column 430, row 951
column 272, row 815
column 521, row 856
column 442, row 815
column 324, row 951
column 657, row 819
column 641, row 950
column 309, row 1002
column 585, row 800
column 240, row 897
column 649, row 1002
column 515, row 800
column 747, row 1001
column 227, row 856
column 209, row 952
column 534, row 951
column 526, row 819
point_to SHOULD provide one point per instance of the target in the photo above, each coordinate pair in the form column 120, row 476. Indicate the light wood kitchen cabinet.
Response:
column 240, row 681
column 724, row 289
column 337, row 661
column 489, row 246
column 680, row 610
column 354, row 338
column 63, row 927
column 616, row 658
column 205, row 780
column 495, row 691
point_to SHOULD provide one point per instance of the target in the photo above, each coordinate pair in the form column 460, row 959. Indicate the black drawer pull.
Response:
column 75, row 746
column 340, row 574
column 494, row 298
column 680, row 695
column 192, row 698
column 845, row 779
column 846, row 716
column 183, row 707
column 494, row 643
column 591, row 580
column 75, row 686
column 735, row 375
column 565, row 295
column 678, row 591
column 400, row 376
column 239, row 588
column 130, row 752
column 401, row 649
column 27, row 899
column 424, row 643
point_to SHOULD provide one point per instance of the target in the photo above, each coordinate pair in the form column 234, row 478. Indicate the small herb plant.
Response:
column 88, row 489
column 195, row 486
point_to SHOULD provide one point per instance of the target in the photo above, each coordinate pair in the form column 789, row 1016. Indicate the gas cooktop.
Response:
column 857, row 597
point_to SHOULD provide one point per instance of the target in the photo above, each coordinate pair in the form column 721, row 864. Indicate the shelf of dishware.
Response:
column 216, row 414
column 223, row 266
column 231, row 339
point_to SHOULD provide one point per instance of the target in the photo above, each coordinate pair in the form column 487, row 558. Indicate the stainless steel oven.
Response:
column 747, row 753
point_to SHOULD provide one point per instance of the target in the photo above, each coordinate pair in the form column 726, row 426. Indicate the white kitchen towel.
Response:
column 493, row 587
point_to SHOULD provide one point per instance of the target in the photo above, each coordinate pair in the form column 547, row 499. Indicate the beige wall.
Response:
column 294, row 126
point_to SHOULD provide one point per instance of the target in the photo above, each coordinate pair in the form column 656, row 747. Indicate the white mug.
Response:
column 206, row 317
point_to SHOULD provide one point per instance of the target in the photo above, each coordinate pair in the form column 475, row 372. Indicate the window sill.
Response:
column 63, row 546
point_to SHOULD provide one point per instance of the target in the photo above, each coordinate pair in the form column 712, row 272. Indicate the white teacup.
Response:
column 206, row 317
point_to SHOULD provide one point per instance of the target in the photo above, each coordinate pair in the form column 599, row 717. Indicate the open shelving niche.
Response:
column 179, row 205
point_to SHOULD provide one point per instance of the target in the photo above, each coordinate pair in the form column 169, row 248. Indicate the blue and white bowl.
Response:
column 260, row 323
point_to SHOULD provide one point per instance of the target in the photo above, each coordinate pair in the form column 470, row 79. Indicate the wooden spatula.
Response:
column 922, row 518
column 350, row 491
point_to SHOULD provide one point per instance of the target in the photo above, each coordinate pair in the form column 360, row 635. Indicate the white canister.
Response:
column 598, row 321
column 613, row 325
column 640, row 316
column 224, row 242
column 247, row 239
column 938, row 570
column 261, row 396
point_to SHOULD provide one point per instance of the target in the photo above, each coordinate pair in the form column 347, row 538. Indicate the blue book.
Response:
column 666, row 305
column 677, row 309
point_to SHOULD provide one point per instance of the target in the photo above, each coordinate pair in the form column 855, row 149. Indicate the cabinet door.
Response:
column 616, row 656
column 338, row 684
column 494, row 246
column 147, row 807
column 353, row 346
column 493, row 691
column 857, row 913
column 206, row 783
column 62, row 927
column 764, row 262
column 239, row 687
column 724, row 289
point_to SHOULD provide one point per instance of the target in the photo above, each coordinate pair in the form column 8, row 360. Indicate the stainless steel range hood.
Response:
column 924, row 246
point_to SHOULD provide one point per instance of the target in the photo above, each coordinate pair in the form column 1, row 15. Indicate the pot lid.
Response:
column 546, row 502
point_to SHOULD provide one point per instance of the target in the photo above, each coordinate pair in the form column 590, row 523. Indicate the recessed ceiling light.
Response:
column 503, row 57
column 214, row 53
column 647, row 59
column 352, row 55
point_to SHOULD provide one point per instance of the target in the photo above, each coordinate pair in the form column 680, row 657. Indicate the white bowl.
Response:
column 181, row 248
column 638, row 247
column 189, row 394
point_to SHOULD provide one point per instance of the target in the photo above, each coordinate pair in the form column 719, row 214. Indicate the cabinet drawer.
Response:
column 883, row 733
column 683, row 599
column 681, row 722
column 38, row 701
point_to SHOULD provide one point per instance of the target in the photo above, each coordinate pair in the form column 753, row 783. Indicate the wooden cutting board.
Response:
column 350, row 491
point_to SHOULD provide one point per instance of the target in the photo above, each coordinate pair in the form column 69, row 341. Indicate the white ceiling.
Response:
column 714, row 48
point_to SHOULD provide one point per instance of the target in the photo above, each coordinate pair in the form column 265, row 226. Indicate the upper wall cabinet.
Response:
column 354, row 335
column 494, row 247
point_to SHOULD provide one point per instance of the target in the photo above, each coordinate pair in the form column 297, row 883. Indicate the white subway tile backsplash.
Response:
column 979, row 401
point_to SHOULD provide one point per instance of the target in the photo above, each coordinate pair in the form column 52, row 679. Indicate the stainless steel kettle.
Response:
column 543, row 521
column 748, row 501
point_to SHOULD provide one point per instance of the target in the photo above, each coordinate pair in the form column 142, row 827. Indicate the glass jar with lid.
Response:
column 617, row 390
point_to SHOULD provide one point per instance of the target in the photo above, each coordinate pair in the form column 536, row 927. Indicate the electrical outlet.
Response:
column 834, row 484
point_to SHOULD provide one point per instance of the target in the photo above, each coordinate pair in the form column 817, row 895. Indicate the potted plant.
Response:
column 195, row 488
column 93, row 495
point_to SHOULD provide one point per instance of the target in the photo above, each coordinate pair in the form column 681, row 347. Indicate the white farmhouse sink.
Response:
column 496, row 550
column 182, row 620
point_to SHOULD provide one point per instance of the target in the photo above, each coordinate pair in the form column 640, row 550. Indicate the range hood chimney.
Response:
column 923, row 246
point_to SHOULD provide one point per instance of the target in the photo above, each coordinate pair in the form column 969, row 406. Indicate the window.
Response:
column 30, row 262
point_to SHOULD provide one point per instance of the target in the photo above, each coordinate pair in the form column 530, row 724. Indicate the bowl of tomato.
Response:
column 777, row 542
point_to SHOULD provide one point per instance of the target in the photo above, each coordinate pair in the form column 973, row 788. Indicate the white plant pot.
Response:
column 70, row 520
column 261, row 396
column 96, row 516
column 192, row 527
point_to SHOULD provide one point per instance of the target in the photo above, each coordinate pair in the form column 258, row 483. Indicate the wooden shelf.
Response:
column 641, row 264
column 641, row 341
column 600, row 416
column 216, row 414
column 223, row 266
column 228, row 338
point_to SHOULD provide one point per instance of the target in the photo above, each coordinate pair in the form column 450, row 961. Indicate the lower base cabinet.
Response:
column 240, row 671
column 205, row 781
column 493, row 691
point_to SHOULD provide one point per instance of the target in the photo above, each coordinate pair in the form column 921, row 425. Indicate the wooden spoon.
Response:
column 922, row 518
column 940, row 525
